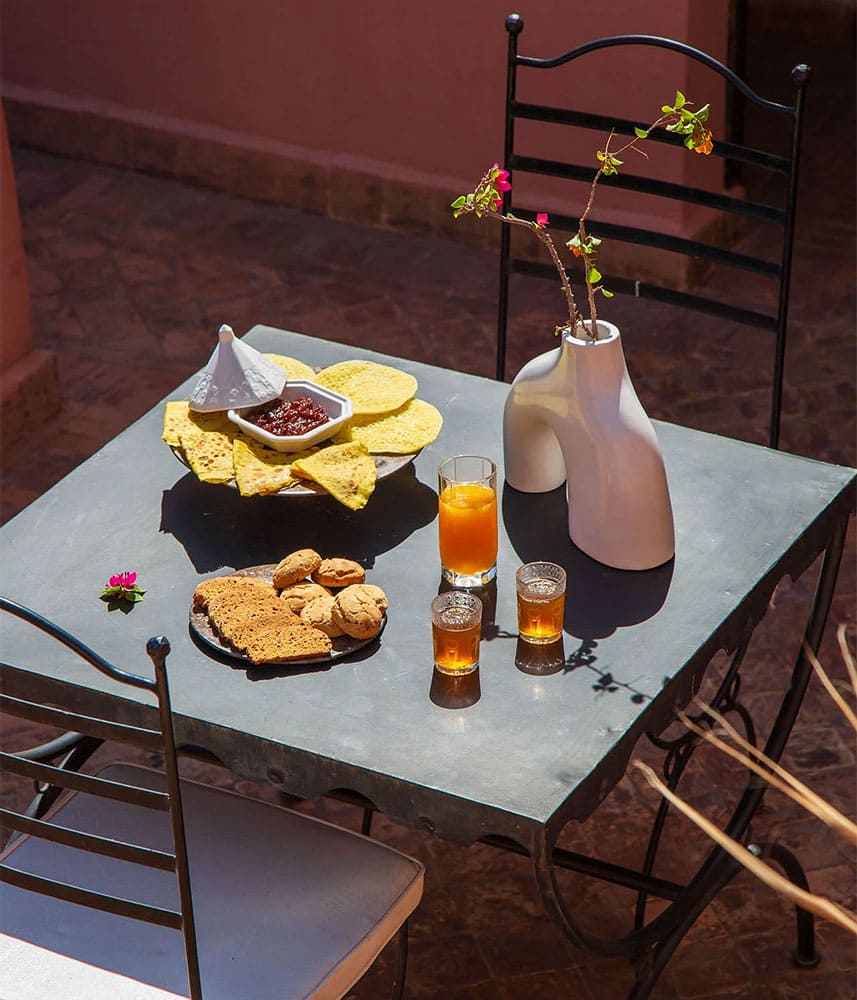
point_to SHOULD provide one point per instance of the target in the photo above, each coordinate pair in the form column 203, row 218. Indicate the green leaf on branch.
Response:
column 680, row 99
column 459, row 202
column 593, row 275
column 606, row 293
column 641, row 133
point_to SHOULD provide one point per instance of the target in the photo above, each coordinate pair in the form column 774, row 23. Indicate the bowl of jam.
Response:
column 302, row 415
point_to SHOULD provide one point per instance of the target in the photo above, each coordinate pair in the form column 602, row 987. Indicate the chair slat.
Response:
column 664, row 241
column 657, row 293
column 88, row 897
column 623, row 126
column 88, row 841
column 647, row 185
column 146, row 739
column 50, row 775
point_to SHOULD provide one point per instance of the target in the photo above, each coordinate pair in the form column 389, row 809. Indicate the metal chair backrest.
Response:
column 782, row 214
column 160, row 740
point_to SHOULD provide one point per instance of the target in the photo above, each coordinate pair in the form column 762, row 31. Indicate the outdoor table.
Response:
column 535, row 751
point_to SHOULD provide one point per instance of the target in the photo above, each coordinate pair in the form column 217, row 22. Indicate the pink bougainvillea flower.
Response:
column 542, row 219
column 501, row 177
column 122, row 591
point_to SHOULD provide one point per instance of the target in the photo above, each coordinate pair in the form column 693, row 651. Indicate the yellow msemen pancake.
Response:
column 346, row 471
column 415, row 425
column 372, row 388
column 292, row 367
column 179, row 417
column 209, row 454
column 260, row 470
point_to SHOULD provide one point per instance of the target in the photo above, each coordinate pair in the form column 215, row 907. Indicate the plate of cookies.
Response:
column 303, row 609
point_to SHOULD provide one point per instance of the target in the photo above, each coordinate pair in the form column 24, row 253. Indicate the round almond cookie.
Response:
column 319, row 614
column 298, row 595
column 296, row 566
column 356, row 614
column 339, row 573
column 373, row 591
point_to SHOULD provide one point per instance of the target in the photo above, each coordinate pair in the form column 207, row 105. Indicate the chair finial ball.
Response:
column 801, row 73
column 514, row 24
column 158, row 644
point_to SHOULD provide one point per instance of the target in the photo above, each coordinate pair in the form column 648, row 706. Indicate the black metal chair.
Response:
column 269, row 902
column 778, row 209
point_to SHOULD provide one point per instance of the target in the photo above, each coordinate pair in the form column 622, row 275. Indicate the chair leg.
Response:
column 401, row 962
column 804, row 954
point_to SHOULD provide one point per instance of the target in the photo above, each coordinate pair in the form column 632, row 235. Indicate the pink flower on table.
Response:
column 122, row 591
column 542, row 219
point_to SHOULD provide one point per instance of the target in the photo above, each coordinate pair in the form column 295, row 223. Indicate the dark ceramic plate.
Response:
column 343, row 645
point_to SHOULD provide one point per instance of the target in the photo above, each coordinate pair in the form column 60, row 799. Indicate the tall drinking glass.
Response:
column 467, row 490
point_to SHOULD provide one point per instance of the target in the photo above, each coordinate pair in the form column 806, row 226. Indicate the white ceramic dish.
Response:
column 337, row 407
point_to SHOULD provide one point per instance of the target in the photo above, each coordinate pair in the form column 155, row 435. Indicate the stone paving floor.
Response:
column 130, row 277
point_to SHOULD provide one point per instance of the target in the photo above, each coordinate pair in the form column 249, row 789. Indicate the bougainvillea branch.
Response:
column 486, row 200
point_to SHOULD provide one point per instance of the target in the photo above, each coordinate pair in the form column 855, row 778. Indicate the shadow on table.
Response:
column 598, row 599
column 218, row 527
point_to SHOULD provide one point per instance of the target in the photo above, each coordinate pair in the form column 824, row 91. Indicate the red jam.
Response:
column 288, row 418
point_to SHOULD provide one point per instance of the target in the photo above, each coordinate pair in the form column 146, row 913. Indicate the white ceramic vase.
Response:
column 573, row 416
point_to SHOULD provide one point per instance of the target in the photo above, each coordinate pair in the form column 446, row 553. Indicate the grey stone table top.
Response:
column 534, row 751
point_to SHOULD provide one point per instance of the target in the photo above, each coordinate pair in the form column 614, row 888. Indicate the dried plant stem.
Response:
column 819, row 905
column 830, row 687
column 773, row 773
column 847, row 657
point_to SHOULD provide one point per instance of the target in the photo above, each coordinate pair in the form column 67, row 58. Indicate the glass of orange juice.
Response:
column 467, row 508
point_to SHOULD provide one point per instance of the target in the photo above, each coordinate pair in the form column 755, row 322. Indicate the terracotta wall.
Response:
column 405, row 93
column 16, row 336
column 29, row 386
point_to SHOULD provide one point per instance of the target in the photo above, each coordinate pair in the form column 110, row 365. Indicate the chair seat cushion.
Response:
column 285, row 905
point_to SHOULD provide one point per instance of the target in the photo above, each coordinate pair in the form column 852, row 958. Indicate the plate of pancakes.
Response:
column 389, row 427
column 303, row 609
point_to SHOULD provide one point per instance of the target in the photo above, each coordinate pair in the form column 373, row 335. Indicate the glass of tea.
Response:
column 540, row 588
column 467, row 522
column 456, row 625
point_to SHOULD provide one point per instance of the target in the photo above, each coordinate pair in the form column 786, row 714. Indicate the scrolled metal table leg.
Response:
column 804, row 954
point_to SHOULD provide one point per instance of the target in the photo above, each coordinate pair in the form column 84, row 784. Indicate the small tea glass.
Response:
column 456, row 627
column 467, row 520
column 540, row 588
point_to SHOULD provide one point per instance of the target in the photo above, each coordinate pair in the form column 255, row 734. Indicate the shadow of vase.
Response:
column 598, row 599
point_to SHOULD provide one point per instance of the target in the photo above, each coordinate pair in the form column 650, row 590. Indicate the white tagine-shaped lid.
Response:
column 236, row 375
